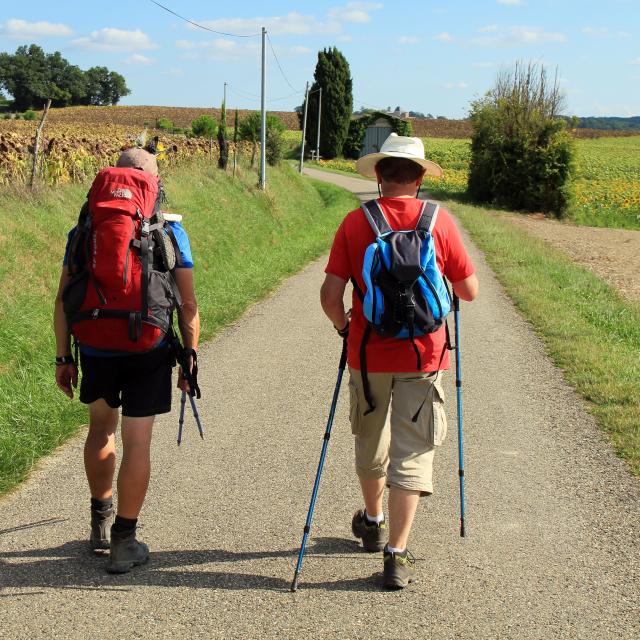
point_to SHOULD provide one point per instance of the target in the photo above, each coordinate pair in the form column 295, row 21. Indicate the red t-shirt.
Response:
column 345, row 261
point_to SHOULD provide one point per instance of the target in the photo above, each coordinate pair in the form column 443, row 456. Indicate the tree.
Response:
column 32, row 76
column 521, row 151
column 249, row 129
column 333, row 75
column 223, row 159
column 104, row 87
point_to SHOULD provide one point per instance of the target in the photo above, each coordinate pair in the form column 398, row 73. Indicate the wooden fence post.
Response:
column 36, row 147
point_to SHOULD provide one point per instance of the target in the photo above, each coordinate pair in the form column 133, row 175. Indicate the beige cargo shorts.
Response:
column 398, row 438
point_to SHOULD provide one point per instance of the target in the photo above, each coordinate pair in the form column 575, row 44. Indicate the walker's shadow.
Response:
column 72, row 566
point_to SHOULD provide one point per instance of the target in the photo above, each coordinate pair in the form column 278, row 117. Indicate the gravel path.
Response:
column 552, row 546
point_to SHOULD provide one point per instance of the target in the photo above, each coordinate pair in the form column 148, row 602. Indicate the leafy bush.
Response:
column 521, row 151
column 165, row 124
column 204, row 126
column 29, row 115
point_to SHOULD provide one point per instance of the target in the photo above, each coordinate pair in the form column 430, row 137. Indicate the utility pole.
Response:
column 224, row 99
column 304, row 127
column 263, row 125
column 318, row 139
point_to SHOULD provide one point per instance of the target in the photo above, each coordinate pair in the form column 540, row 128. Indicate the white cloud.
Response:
column 22, row 29
column 109, row 39
column 635, row 61
column 516, row 36
column 408, row 40
column 512, row 3
column 293, row 23
column 220, row 49
column 455, row 85
column 354, row 12
column 344, row 38
column 443, row 37
column 138, row 58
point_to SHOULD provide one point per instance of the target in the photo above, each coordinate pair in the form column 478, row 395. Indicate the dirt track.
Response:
column 553, row 522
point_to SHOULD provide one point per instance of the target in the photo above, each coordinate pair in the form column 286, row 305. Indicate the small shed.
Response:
column 368, row 132
column 374, row 135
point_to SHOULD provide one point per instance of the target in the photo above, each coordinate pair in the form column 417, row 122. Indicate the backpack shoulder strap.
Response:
column 375, row 216
column 428, row 216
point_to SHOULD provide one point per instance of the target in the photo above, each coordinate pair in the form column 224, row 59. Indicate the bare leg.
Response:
column 372, row 492
column 402, row 509
column 100, row 449
column 135, row 469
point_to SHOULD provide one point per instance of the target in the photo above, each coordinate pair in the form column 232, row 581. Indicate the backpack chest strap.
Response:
column 428, row 216
column 376, row 218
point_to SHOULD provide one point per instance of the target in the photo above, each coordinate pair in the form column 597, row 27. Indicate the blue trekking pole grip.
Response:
column 325, row 444
column 456, row 314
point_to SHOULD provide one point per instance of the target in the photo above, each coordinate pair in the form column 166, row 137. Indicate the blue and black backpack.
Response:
column 405, row 294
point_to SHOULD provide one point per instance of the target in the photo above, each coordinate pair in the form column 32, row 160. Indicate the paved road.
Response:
column 552, row 547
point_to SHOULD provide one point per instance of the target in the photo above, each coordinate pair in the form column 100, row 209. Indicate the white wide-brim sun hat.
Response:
column 396, row 146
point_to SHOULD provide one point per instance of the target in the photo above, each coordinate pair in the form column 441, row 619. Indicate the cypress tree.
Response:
column 333, row 75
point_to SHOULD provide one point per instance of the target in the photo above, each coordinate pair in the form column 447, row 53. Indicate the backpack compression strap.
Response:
column 428, row 216
column 375, row 217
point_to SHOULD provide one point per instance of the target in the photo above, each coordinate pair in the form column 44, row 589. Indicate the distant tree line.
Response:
column 32, row 76
column 609, row 123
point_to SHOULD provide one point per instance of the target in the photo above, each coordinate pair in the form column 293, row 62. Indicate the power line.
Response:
column 200, row 26
column 255, row 98
column 280, row 66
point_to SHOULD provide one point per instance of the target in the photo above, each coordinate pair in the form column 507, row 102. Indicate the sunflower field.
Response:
column 606, row 184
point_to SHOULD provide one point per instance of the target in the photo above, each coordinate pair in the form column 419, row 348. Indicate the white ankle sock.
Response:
column 376, row 519
column 395, row 550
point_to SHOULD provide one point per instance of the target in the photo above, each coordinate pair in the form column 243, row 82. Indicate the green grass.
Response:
column 590, row 332
column 244, row 242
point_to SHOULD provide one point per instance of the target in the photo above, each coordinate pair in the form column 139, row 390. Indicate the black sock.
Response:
column 102, row 507
column 123, row 528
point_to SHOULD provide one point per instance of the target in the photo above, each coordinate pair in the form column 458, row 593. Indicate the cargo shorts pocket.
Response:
column 438, row 427
column 354, row 413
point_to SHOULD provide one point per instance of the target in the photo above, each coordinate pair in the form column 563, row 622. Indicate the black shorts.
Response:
column 141, row 383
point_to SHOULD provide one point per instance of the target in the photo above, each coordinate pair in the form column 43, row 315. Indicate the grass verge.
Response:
column 590, row 332
column 244, row 242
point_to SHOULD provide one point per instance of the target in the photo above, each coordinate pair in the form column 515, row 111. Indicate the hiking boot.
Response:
column 99, row 537
column 373, row 535
column 399, row 569
column 126, row 554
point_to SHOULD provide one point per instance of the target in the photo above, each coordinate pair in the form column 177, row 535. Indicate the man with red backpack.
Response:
column 396, row 250
column 126, row 269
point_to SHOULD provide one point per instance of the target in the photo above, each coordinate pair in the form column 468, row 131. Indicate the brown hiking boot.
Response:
column 126, row 554
column 373, row 535
column 399, row 569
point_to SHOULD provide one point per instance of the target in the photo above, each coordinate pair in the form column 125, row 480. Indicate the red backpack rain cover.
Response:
column 116, row 300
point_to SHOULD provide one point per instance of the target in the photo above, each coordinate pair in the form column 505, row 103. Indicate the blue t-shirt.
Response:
column 187, row 263
column 178, row 231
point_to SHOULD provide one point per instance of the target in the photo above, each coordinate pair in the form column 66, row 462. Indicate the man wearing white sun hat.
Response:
column 396, row 403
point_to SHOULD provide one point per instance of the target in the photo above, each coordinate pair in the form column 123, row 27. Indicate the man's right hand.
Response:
column 67, row 378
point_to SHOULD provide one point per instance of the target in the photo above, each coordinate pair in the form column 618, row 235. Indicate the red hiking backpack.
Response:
column 122, row 294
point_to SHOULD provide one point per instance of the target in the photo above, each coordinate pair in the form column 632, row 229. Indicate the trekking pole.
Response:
column 196, row 416
column 316, row 484
column 456, row 314
column 183, row 400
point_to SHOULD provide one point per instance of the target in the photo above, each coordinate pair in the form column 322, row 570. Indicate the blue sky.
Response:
column 426, row 55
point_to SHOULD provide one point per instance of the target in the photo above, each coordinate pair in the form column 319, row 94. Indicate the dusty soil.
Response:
column 612, row 254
